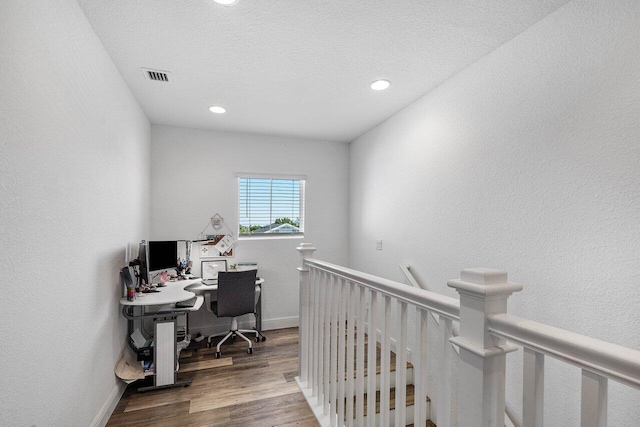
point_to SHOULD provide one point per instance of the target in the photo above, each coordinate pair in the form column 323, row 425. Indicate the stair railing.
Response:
column 406, row 270
column 338, row 304
column 600, row 361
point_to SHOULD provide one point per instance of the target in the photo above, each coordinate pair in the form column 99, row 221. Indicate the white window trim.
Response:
column 271, row 176
column 271, row 236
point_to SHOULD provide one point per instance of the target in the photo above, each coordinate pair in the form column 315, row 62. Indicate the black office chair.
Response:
column 236, row 296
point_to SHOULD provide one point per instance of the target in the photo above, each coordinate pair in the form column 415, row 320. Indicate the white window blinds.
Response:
column 270, row 206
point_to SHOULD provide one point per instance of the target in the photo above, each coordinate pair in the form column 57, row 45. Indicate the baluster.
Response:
column 310, row 328
column 401, row 369
column 360, row 356
column 420, row 369
column 371, row 359
column 327, row 343
column 303, row 344
column 318, row 332
column 311, row 340
column 342, row 347
column 594, row 400
column 444, row 384
column 334, row 349
column 385, row 363
column 533, row 388
column 350, row 350
column 311, row 313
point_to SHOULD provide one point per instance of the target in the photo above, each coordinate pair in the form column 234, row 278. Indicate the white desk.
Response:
column 172, row 293
column 160, row 306
column 202, row 288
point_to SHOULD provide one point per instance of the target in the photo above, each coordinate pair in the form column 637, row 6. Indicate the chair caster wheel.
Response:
column 257, row 339
column 250, row 350
column 218, row 355
column 264, row 339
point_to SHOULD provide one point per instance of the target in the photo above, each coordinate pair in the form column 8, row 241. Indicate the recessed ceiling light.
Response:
column 226, row 2
column 380, row 84
column 217, row 110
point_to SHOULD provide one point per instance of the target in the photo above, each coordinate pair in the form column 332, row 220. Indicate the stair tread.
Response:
column 392, row 359
column 392, row 401
column 409, row 399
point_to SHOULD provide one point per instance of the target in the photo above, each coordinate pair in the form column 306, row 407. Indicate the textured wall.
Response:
column 194, row 177
column 74, row 183
column 526, row 161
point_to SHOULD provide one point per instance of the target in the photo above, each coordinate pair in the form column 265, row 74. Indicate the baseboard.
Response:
column 281, row 323
column 410, row 354
column 267, row 325
column 392, row 343
column 109, row 405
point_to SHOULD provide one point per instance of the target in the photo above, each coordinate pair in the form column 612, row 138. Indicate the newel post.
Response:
column 481, row 393
column 306, row 250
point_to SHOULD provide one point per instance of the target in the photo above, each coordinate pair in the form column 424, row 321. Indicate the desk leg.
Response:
column 258, row 314
column 165, row 354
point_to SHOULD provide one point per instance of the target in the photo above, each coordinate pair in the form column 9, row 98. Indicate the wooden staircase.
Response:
column 334, row 299
column 409, row 392
column 392, row 405
column 339, row 308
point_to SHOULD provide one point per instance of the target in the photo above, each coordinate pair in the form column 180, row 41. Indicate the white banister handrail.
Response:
column 608, row 360
column 406, row 270
column 341, row 308
column 427, row 300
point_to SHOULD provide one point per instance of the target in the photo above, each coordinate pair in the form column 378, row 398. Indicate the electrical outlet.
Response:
column 379, row 245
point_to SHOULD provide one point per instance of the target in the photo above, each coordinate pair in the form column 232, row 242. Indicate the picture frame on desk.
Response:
column 211, row 268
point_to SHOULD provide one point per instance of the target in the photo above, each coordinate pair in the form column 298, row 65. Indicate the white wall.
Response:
column 194, row 177
column 74, row 183
column 527, row 161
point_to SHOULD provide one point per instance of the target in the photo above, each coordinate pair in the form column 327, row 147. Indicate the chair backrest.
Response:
column 236, row 293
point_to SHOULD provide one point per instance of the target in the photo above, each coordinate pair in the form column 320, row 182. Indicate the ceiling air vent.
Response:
column 157, row 75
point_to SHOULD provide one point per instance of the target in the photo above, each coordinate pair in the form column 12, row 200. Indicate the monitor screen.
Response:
column 144, row 262
column 162, row 255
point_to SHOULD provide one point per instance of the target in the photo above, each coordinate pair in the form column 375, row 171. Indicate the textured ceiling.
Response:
column 298, row 67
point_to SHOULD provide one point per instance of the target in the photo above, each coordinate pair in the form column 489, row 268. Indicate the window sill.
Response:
column 271, row 237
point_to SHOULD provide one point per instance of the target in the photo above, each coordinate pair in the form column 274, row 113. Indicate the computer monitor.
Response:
column 143, row 258
column 163, row 255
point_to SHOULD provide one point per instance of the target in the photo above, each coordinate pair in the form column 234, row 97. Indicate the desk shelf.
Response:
column 163, row 312
column 152, row 371
column 172, row 307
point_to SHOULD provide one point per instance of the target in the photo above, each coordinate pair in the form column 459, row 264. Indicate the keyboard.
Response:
column 186, row 304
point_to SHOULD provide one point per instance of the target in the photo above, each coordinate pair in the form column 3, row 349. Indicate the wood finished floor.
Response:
column 239, row 389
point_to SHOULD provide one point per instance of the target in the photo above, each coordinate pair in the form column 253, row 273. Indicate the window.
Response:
column 270, row 206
